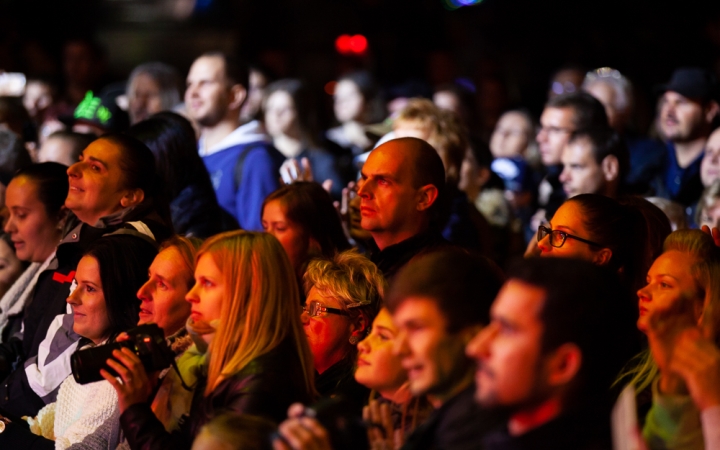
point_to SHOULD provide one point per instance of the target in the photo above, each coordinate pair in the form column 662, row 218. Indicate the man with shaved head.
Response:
column 402, row 201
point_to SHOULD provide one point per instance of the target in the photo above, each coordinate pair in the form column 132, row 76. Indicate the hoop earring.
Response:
column 353, row 340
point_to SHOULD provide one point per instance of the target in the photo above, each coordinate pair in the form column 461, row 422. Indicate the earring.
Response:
column 353, row 340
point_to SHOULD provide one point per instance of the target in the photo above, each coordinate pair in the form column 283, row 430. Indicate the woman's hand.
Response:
column 697, row 361
column 381, row 432
column 136, row 386
column 292, row 171
column 301, row 433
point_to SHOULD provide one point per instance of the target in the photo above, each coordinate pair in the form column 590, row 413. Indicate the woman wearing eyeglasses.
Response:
column 598, row 229
column 343, row 298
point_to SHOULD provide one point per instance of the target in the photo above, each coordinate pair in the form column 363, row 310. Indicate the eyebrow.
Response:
column 380, row 327
column 562, row 226
column 92, row 158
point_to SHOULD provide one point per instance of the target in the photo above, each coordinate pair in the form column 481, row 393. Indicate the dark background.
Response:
column 507, row 48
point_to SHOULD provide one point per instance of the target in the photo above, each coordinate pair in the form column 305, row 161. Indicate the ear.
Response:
column 360, row 326
column 132, row 197
column 483, row 175
column 711, row 111
column 602, row 257
column 238, row 93
column 563, row 364
column 426, row 196
column 610, row 167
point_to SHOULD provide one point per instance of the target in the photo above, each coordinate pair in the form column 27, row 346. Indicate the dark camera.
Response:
column 346, row 431
column 146, row 341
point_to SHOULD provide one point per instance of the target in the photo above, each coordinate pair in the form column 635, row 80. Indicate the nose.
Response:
column 73, row 298
column 644, row 294
column 364, row 346
column 74, row 170
column 10, row 227
column 479, row 346
column 192, row 296
column 541, row 135
column 544, row 244
column 400, row 346
column 362, row 189
column 144, row 292
column 564, row 175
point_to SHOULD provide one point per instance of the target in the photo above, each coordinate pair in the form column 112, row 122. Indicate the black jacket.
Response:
column 393, row 257
column 197, row 213
column 568, row 432
column 266, row 387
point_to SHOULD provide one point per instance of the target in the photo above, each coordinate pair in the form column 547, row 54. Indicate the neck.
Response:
column 531, row 418
column 213, row 135
column 687, row 152
column 397, row 395
column 321, row 365
column 290, row 146
column 384, row 239
column 439, row 399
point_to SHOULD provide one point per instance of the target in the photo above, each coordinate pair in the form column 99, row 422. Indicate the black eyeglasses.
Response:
column 557, row 237
column 315, row 308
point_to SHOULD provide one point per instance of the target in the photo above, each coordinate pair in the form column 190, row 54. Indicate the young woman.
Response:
column 302, row 217
column 10, row 267
column 35, row 200
column 246, row 307
column 103, row 305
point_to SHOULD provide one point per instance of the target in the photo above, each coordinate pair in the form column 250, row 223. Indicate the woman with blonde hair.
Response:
column 246, row 307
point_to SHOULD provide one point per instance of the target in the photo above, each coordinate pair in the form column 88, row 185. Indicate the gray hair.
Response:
column 167, row 78
column 613, row 78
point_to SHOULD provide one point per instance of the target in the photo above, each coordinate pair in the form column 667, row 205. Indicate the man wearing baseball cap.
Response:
column 688, row 109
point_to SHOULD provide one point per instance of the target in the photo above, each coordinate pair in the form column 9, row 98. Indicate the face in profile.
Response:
column 377, row 367
column 569, row 219
column 510, row 137
column 207, row 295
column 557, row 127
column 669, row 280
column 581, row 172
column 144, row 98
column 10, row 267
column 280, row 114
column 680, row 118
column 710, row 166
column 208, row 93
column 292, row 237
column 90, row 313
column 710, row 214
column 349, row 103
column 328, row 333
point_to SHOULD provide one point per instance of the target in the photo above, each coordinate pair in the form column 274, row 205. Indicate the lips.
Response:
column 362, row 362
column 366, row 211
column 195, row 315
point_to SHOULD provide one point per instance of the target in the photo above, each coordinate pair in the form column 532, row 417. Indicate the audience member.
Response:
column 243, row 166
column 708, row 210
column 13, row 157
column 11, row 268
column 674, row 211
column 566, row 80
column 458, row 99
column 83, row 66
column 64, row 147
column 38, row 98
column 231, row 431
column 151, row 88
column 514, row 136
column 257, row 81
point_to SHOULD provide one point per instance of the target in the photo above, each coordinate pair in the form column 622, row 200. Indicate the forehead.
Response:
column 384, row 319
column 104, row 150
column 208, row 67
column 168, row 262
column 674, row 263
column 88, row 269
column 557, row 117
column 579, row 149
column 568, row 216
column 602, row 91
column 206, row 265
column 346, row 87
column 416, row 308
column 514, row 121
column 390, row 158
column 315, row 294
column 519, row 303
column 145, row 82
column 279, row 98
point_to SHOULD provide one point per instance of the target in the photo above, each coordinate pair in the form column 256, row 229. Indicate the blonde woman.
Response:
column 246, row 305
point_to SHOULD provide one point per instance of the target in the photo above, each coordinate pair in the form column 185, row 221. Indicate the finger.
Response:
column 279, row 444
column 122, row 337
column 296, row 410
column 345, row 198
column 121, row 370
column 285, row 175
column 112, row 380
column 387, row 419
column 318, row 434
column 306, row 169
column 327, row 185
column 294, row 169
column 295, row 434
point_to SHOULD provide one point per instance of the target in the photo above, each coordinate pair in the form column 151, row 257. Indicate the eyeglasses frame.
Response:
column 564, row 234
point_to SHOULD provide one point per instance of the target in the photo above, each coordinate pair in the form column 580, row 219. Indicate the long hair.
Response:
column 262, row 307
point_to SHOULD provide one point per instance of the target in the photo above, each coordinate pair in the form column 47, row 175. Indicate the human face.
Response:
column 710, row 166
column 557, row 126
column 607, row 95
column 349, row 103
column 681, row 119
column 163, row 295
column 581, row 173
column 37, row 98
column 144, row 98
column 510, row 137
column 388, row 199
column 508, row 351
column 96, row 182
column 56, row 149
column 208, row 95
column 328, row 334
column 377, row 367
column 568, row 218
column 10, row 267
column 206, row 297
column 669, row 280
column 433, row 358
column 291, row 236
column 447, row 100
column 280, row 114
column 90, row 315
column 251, row 106
column 34, row 234
column 710, row 215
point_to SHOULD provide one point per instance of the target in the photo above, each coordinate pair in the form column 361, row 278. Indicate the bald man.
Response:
column 402, row 201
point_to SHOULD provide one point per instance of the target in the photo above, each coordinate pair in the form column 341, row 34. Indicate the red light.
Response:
column 342, row 44
column 330, row 87
column 346, row 44
column 358, row 43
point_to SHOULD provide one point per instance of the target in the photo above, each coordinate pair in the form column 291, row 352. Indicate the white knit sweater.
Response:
column 84, row 416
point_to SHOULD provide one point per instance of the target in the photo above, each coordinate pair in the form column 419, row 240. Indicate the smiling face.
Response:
column 209, row 95
column 96, row 182
column 206, row 297
column 328, row 334
column 377, row 367
column 88, row 302
column 568, row 218
column 669, row 280
column 34, row 234
column 291, row 236
column 710, row 166
column 163, row 295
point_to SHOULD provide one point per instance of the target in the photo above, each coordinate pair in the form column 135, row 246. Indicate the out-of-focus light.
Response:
column 347, row 45
column 456, row 4
column 330, row 87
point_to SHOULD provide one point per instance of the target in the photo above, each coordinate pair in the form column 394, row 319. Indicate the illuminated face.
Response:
column 710, row 215
column 206, row 297
column 96, row 182
column 509, row 370
column 557, row 126
column 377, row 367
column 568, row 218
column 90, row 315
column 162, row 297
column 328, row 334
column 281, row 115
column 581, row 173
column 144, row 98
column 510, row 137
column 10, row 267
column 349, row 103
column 433, row 358
column 34, row 234
column 37, row 97
column 56, row 149
column 291, row 236
column 208, row 93
column 681, row 119
column 669, row 280
column 710, row 166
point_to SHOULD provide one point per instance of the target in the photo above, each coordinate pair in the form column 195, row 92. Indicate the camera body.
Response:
column 146, row 341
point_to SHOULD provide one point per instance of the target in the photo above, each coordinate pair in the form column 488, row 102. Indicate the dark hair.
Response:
column 236, row 71
column 302, row 101
column 583, row 305
column 51, row 182
column 606, row 142
column 374, row 109
column 78, row 141
column 657, row 229
column 619, row 228
column 136, row 162
column 588, row 111
column 124, row 261
column 308, row 205
column 167, row 79
column 13, row 155
column 462, row 284
column 171, row 139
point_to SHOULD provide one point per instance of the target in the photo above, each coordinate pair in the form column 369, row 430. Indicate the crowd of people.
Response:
column 202, row 267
